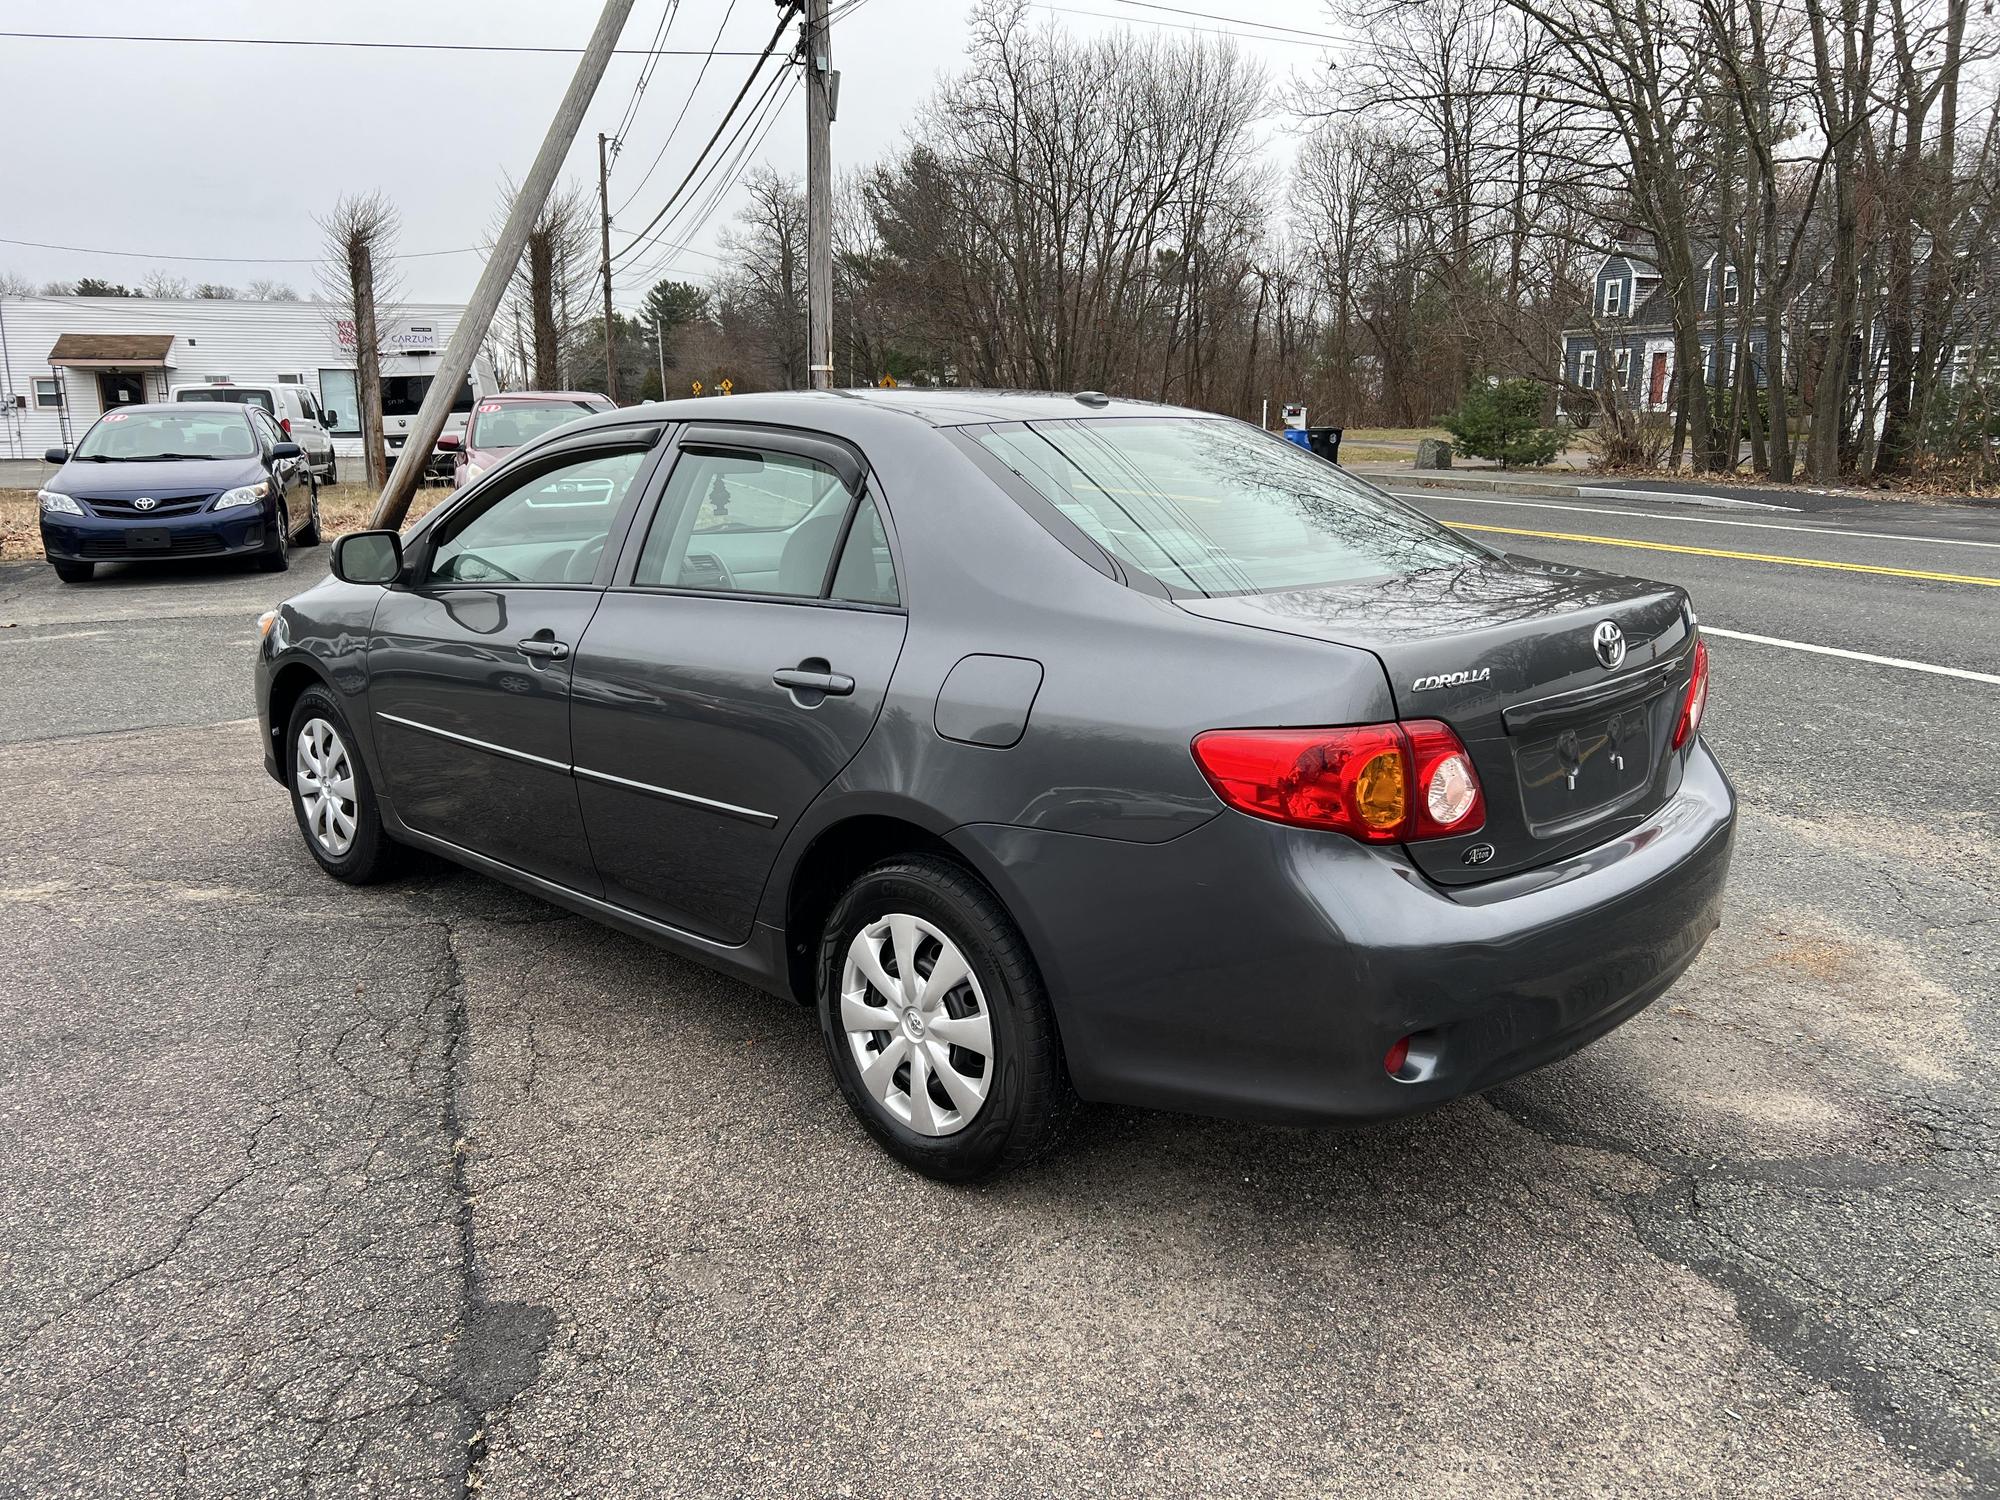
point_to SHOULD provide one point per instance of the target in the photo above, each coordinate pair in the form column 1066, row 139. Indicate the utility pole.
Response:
column 822, row 86
column 604, row 225
column 456, row 362
column 660, row 339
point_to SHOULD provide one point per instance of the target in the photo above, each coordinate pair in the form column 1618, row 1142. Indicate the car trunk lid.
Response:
column 1572, row 745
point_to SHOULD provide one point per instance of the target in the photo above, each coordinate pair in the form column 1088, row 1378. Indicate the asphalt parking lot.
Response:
column 433, row 1188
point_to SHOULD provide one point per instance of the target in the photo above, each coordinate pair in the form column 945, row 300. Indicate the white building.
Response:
column 65, row 360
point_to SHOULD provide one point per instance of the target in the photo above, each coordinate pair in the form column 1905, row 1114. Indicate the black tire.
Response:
column 74, row 572
column 1029, row 1101
column 370, row 854
column 333, row 468
column 309, row 534
column 278, row 556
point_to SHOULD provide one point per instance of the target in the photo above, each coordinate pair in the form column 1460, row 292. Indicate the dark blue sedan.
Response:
column 154, row 482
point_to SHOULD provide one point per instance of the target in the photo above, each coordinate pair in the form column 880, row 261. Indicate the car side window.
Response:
column 866, row 573
column 549, row 527
column 746, row 520
column 266, row 428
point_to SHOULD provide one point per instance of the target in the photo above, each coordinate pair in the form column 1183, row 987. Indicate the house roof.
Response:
column 104, row 350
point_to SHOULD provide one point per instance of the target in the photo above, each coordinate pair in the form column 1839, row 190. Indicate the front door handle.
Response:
column 544, row 650
column 804, row 680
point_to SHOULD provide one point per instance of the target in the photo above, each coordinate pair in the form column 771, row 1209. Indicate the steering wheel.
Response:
column 582, row 564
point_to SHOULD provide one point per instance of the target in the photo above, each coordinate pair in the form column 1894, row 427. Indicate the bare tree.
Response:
column 361, row 235
column 13, row 284
column 550, row 289
column 165, row 284
column 215, row 291
column 265, row 290
column 765, row 292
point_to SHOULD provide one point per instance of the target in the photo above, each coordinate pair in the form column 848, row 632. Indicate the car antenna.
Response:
column 1093, row 398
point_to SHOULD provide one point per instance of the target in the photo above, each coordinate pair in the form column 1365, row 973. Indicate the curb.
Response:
column 1447, row 479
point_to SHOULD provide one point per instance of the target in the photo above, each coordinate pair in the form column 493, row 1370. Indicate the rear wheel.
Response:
column 309, row 534
column 332, row 475
column 332, row 796
column 75, row 572
column 937, row 1025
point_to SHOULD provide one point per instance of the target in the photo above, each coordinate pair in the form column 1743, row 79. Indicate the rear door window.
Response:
column 746, row 520
column 1216, row 507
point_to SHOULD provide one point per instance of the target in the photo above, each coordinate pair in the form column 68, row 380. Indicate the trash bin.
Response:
column 1325, row 441
column 1296, row 435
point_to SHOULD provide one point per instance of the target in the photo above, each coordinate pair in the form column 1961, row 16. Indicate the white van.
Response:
column 295, row 409
column 403, row 395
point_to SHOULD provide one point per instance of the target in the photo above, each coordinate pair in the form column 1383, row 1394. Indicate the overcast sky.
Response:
column 190, row 150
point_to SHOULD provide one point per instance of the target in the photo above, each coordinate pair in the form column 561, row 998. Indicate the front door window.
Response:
column 551, row 528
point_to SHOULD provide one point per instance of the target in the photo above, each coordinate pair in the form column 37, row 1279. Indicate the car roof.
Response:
column 933, row 407
column 544, row 396
column 175, row 408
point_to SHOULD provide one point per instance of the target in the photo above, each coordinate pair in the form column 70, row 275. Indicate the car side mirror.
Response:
column 450, row 442
column 368, row 557
column 286, row 450
column 329, row 418
column 56, row 456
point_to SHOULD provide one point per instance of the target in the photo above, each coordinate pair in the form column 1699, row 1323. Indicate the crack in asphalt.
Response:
column 1815, row 1346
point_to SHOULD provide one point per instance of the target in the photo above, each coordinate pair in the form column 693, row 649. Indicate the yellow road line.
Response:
column 1762, row 557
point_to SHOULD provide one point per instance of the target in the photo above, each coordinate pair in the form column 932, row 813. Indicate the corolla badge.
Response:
column 1451, row 679
column 144, row 502
column 1609, row 642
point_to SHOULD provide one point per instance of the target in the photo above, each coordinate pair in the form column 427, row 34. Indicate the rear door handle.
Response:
column 545, row 650
column 799, row 680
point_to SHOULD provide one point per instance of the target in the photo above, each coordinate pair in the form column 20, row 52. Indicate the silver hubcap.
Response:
column 917, row 1024
column 325, row 779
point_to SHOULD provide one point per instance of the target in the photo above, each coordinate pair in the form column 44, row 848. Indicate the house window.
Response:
column 1729, row 286
column 48, row 393
column 1614, row 297
column 1586, row 369
column 1621, row 368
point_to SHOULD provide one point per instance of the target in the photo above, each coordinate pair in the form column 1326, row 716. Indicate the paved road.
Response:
column 304, row 1190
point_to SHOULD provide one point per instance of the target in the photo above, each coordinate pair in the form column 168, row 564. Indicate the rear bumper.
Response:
column 1257, row 971
column 203, row 534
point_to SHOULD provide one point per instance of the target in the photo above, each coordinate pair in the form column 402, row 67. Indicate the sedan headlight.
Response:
column 57, row 504
column 247, row 494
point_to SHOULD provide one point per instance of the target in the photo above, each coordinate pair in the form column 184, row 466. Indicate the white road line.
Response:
column 1599, row 492
column 1880, row 661
column 1647, row 515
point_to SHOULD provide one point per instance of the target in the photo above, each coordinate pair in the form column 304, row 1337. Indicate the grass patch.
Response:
column 1391, row 435
column 342, row 508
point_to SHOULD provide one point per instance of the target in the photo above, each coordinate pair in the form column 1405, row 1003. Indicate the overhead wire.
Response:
column 668, row 10
column 687, row 100
column 729, row 114
column 312, row 41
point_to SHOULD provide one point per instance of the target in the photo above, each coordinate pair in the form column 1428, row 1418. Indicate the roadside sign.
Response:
column 887, row 382
column 697, row 387
column 727, row 385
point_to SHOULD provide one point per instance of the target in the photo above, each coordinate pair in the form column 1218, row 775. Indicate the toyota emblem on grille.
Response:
column 144, row 502
column 1609, row 642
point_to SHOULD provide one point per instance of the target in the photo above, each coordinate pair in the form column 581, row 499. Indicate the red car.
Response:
column 500, row 424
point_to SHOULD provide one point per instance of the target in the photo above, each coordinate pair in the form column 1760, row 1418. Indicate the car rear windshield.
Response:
column 403, row 394
column 508, row 424
column 133, row 436
column 1216, row 507
column 225, row 393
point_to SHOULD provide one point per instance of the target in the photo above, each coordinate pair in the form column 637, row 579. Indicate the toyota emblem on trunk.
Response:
column 1609, row 642
column 144, row 502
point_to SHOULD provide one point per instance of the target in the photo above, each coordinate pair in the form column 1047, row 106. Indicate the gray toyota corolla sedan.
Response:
column 1051, row 747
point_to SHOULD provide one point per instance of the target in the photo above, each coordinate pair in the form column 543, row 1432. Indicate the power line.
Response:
column 660, row 155
column 291, row 41
column 748, row 140
column 668, row 10
column 727, row 116
column 1176, row 26
column 236, row 260
column 1209, row 15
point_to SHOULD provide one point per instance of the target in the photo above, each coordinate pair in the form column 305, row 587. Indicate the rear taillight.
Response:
column 1697, row 696
column 1381, row 783
column 285, row 425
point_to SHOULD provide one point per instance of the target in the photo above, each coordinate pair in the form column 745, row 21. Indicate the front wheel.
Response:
column 279, row 557
column 332, row 795
column 937, row 1025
